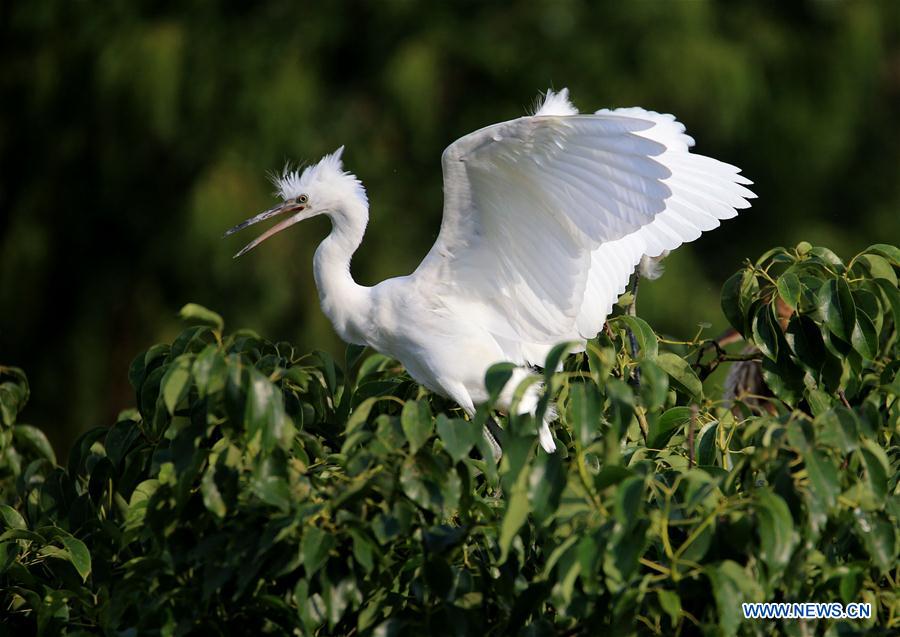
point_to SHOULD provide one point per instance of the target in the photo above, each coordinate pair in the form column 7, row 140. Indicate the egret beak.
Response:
column 299, row 209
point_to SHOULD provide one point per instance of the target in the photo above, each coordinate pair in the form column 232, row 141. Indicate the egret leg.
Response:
column 459, row 393
column 493, row 432
column 528, row 405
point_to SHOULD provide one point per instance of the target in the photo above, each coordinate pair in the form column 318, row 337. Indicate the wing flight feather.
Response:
column 546, row 216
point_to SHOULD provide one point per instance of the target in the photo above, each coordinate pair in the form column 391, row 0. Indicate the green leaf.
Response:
column 838, row 428
column 682, row 373
column 776, row 530
column 516, row 513
column 610, row 475
column 731, row 586
column 878, row 267
column 735, row 292
column 663, row 427
column 823, row 477
column 417, row 424
column 864, row 338
column 889, row 252
column 877, row 467
column 879, row 537
column 707, row 444
column 670, row 603
column 584, row 407
column 360, row 414
column 766, row 331
column 195, row 312
column 314, row 548
column 210, row 371
column 79, row 555
column 545, row 484
column 654, row 385
column 31, row 437
column 784, row 378
column 628, row 503
column 825, row 255
column 458, row 436
column 837, row 308
column 264, row 414
column 556, row 354
column 790, row 289
column 11, row 518
column 648, row 344
column 893, row 296
column 176, row 383
column 363, row 550
column 269, row 482
column 14, row 393
column 496, row 377
column 212, row 499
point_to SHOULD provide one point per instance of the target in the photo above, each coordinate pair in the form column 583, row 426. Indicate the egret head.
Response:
column 321, row 188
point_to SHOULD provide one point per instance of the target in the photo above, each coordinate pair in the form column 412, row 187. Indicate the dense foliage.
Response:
column 156, row 123
column 254, row 489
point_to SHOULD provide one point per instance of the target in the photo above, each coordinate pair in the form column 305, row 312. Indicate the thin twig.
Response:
column 844, row 399
column 691, row 425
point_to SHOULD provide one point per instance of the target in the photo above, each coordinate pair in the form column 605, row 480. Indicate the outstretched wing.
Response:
column 545, row 217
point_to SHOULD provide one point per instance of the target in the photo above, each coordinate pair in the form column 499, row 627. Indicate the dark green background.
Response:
column 133, row 133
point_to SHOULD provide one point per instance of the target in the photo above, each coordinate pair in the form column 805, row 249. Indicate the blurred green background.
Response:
column 134, row 133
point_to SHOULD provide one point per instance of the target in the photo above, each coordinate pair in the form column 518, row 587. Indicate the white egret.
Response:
column 545, row 218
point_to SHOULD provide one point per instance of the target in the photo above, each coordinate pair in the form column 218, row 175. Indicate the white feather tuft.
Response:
column 556, row 103
column 327, row 177
column 652, row 267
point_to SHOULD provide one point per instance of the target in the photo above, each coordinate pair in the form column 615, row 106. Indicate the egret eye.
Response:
column 302, row 199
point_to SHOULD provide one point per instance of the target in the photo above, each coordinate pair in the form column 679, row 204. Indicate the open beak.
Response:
column 300, row 213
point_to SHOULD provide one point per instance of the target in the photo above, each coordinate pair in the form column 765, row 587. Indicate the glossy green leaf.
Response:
column 682, row 373
column 837, row 308
column 664, row 426
column 514, row 517
column 877, row 468
column 892, row 294
column 29, row 437
column 864, row 338
column 545, row 484
column 627, row 506
column 823, row 477
column 12, row 519
column 264, row 413
column 879, row 537
column 670, row 603
column 314, row 548
column 417, row 423
column 707, row 444
column 212, row 498
column 730, row 301
column 765, row 331
column 644, row 336
column 654, row 385
column 458, row 436
column 878, row 267
column 79, row 555
column 585, row 414
column 195, row 312
column 790, row 289
column 175, row 383
column 776, row 530
column 889, row 252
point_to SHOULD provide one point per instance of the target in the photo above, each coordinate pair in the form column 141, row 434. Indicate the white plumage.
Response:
column 545, row 218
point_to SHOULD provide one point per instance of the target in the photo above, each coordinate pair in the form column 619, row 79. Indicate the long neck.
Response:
column 344, row 302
